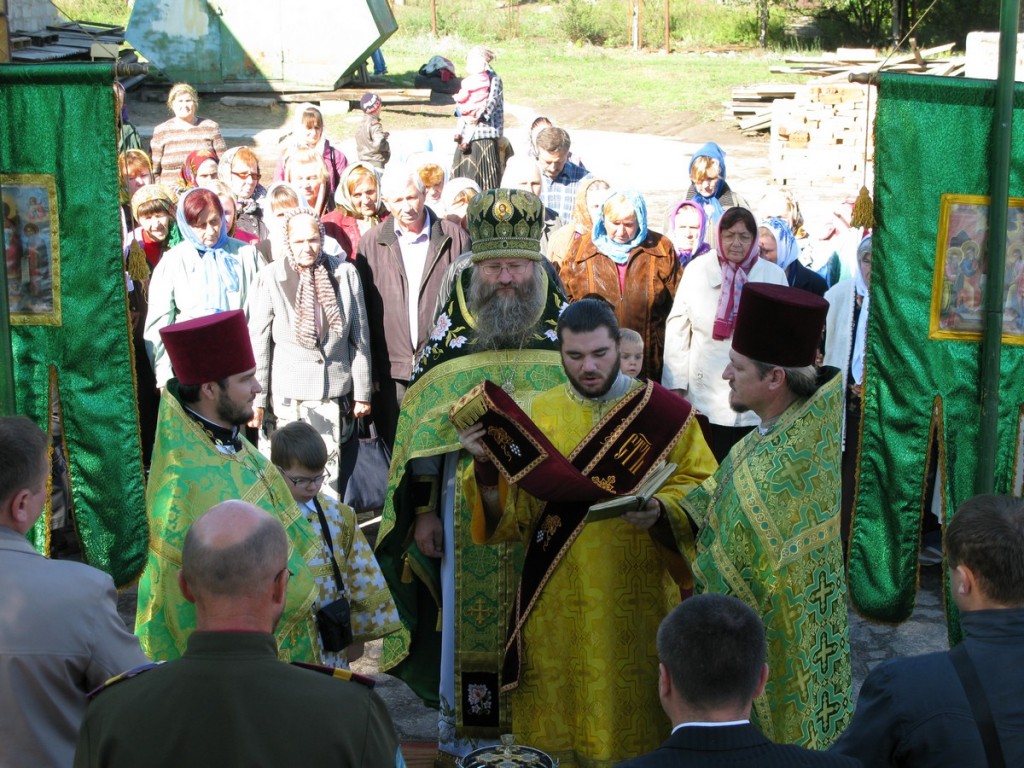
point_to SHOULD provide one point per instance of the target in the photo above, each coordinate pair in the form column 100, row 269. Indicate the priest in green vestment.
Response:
column 581, row 660
column 201, row 459
column 768, row 521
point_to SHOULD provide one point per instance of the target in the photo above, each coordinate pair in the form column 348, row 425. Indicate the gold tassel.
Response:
column 138, row 267
column 469, row 408
column 406, row 571
column 863, row 211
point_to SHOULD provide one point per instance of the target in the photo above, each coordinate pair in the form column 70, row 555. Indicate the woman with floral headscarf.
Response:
column 778, row 244
column 359, row 207
column 207, row 272
column 698, row 333
column 632, row 267
column 687, row 227
column 198, row 170
column 311, row 339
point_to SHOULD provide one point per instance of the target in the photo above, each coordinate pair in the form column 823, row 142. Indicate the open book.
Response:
column 615, row 506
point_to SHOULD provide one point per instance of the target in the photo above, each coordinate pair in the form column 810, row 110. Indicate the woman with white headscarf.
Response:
column 698, row 333
column 846, row 328
column 780, row 246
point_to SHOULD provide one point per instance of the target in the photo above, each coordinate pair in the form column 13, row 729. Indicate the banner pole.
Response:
column 995, row 279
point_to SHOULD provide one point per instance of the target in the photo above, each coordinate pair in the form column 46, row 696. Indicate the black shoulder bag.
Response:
column 334, row 620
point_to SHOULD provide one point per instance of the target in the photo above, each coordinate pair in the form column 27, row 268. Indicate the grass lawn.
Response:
column 543, row 75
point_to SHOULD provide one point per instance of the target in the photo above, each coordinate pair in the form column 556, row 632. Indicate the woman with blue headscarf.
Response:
column 634, row 268
column 207, row 272
column 708, row 187
column 779, row 245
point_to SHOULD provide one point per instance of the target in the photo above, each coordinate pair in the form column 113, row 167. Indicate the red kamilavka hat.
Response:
column 209, row 348
column 779, row 325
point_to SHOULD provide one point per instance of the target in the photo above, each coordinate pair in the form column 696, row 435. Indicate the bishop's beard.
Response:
column 504, row 320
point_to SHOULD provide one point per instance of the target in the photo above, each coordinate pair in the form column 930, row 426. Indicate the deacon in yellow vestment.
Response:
column 588, row 691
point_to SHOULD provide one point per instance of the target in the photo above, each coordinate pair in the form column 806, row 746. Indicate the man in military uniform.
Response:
column 229, row 700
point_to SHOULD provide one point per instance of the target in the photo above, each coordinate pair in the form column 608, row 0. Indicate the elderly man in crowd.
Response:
column 561, row 177
column 199, row 459
column 229, row 700
column 499, row 324
column 926, row 711
column 712, row 652
column 768, row 522
column 402, row 262
column 60, row 635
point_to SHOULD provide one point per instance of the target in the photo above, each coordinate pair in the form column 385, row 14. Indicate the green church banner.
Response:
column 68, row 304
column 932, row 159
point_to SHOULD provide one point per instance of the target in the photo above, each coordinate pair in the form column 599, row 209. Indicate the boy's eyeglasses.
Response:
column 305, row 482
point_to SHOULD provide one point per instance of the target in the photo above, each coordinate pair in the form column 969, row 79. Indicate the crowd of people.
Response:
column 527, row 344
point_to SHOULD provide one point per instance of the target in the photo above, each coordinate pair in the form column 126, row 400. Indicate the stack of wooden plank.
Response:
column 751, row 105
column 818, row 138
column 67, row 40
column 844, row 61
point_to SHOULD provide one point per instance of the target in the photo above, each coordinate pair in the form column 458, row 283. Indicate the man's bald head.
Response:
column 234, row 550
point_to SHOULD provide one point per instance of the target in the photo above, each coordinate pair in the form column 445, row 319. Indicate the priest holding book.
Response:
column 580, row 659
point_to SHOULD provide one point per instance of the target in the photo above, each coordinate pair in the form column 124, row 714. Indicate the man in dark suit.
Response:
column 228, row 701
column 60, row 635
column 712, row 652
column 915, row 712
column 403, row 262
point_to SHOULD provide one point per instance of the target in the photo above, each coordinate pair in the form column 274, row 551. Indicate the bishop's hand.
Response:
column 471, row 439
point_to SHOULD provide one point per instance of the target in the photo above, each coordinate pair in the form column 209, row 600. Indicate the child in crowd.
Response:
column 631, row 352
column 472, row 98
column 299, row 453
column 371, row 138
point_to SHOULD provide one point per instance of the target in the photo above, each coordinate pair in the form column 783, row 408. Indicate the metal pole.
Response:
column 6, row 348
column 992, row 339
